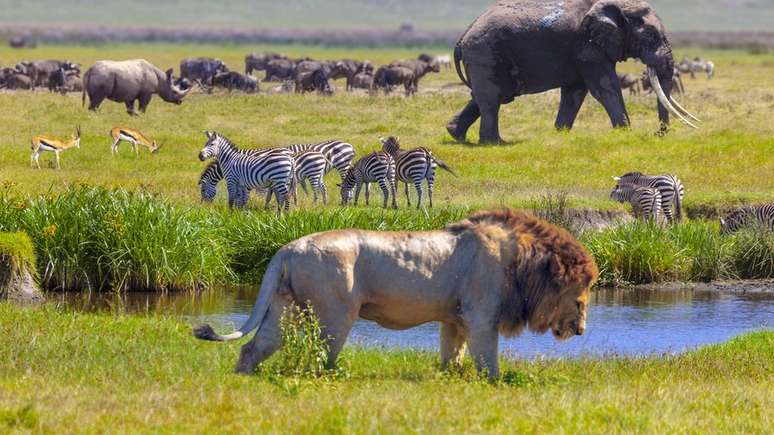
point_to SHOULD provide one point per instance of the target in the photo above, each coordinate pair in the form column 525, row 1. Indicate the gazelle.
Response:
column 132, row 136
column 48, row 143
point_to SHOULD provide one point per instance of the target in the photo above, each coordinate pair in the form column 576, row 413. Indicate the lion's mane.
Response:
column 543, row 263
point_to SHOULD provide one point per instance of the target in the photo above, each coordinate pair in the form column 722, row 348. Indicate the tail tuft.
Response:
column 205, row 332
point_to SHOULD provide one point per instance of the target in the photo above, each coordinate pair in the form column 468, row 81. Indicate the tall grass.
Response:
column 304, row 351
column 94, row 238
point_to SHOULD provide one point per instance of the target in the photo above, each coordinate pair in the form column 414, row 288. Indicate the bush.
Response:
column 304, row 351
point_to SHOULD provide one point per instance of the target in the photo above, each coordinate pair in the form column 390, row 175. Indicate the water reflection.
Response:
column 621, row 322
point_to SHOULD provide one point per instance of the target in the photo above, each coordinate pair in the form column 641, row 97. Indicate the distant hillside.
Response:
column 717, row 15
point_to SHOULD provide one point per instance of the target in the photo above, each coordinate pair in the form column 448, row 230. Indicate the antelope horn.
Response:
column 662, row 98
column 682, row 109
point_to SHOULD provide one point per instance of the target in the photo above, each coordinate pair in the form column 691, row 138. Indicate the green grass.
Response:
column 728, row 161
column 348, row 14
column 95, row 238
column 64, row 372
column 17, row 257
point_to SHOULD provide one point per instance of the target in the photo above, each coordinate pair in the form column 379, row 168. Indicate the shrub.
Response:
column 304, row 351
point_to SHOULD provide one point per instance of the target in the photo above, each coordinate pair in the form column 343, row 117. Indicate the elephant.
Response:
column 519, row 47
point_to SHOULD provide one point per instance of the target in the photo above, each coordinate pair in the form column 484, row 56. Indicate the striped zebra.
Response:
column 755, row 216
column 646, row 201
column 667, row 184
column 414, row 165
column 312, row 165
column 339, row 153
column 375, row 167
column 244, row 170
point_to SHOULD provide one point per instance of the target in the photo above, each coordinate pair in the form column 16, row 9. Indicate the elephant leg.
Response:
column 569, row 105
column 458, row 126
column 605, row 87
column 452, row 345
column 265, row 342
column 482, row 343
column 490, row 122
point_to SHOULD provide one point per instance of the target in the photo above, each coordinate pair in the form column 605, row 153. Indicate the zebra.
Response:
column 667, row 184
column 646, row 201
column 757, row 216
column 312, row 165
column 414, row 165
column 339, row 153
column 244, row 170
column 377, row 166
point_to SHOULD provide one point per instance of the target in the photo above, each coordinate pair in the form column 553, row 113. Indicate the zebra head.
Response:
column 391, row 145
column 213, row 146
column 619, row 192
column 347, row 184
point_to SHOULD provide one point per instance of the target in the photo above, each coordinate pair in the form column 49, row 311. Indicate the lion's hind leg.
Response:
column 264, row 343
column 452, row 345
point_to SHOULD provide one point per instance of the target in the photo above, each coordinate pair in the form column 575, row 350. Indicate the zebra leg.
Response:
column 394, row 190
column 430, row 191
column 233, row 194
column 385, row 192
column 367, row 191
column 408, row 199
column 418, row 186
column 357, row 192
column 324, row 191
column 268, row 199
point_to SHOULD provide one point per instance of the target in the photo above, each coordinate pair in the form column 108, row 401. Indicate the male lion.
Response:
column 497, row 271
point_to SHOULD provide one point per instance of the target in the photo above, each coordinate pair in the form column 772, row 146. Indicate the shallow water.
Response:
column 620, row 322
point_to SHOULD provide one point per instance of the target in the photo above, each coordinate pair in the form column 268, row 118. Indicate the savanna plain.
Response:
column 65, row 371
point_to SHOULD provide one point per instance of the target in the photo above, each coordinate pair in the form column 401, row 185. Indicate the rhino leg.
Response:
column 130, row 108
column 144, row 100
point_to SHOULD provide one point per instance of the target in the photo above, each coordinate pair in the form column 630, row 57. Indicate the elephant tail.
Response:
column 273, row 281
column 457, row 62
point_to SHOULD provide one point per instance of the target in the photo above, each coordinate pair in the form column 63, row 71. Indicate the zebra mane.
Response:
column 632, row 174
column 223, row 140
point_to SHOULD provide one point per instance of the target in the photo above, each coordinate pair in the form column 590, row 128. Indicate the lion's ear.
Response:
column 557, row 270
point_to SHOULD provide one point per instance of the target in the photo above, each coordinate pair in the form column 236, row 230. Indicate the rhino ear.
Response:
column 169, row 75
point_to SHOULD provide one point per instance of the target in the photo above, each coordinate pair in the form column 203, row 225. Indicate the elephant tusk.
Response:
column 682, row 109
column 662, row 98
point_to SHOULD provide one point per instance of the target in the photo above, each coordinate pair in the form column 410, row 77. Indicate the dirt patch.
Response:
column 726, row 286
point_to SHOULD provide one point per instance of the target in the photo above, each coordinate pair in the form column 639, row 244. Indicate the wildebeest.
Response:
column 64, row 81
column 279, row 70
column 39, row 70
column 201, row 69
column 11, row 78
column 258, row 61
column 419, row 67
column 388, row 76
column 310, row 81
column 129, row 81
column 233, row 80
column 630, row 82
column 677, row 79
column 363, row 81
column 348, row 69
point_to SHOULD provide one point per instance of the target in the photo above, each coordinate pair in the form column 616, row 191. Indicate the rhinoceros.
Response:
column 129, row 81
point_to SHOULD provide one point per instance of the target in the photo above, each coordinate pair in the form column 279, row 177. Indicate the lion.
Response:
column 495, row 272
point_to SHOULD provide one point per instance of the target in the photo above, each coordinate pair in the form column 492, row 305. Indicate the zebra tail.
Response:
column 678, row 206
column 444, row 166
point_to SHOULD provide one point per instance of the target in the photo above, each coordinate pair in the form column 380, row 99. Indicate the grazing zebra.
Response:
column 244, row 170
column 756, row 216
column 667, row 184
column 338, row 153
column 48, row 143
column 646, row 201
column 377, row 166
column 312, row 165
column 132, row 136
column 414, row 165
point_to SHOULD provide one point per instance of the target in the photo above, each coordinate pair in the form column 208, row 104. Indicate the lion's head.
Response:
column 550, row 273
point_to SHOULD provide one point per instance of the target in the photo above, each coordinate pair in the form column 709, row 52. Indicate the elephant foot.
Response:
column 485, row 140
column 453, row 130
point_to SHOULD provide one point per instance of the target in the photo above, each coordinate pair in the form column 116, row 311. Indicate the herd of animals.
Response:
column 294, row 75
column 636, row 84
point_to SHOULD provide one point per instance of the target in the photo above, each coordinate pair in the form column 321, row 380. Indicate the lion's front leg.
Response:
column 452, row 345
column 482, row 342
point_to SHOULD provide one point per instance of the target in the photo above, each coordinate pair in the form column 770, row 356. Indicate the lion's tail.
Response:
column 272, row 280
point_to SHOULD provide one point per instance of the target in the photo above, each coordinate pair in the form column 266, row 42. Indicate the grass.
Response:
column 94, row 238
column 64, row 372
column 17, row 257
column 727, row 162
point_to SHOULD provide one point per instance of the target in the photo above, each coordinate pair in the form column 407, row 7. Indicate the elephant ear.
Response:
column 607, row 24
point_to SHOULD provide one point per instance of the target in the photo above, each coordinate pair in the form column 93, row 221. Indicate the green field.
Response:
column 349, row 14
column 63, row 372
column 727, row 161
